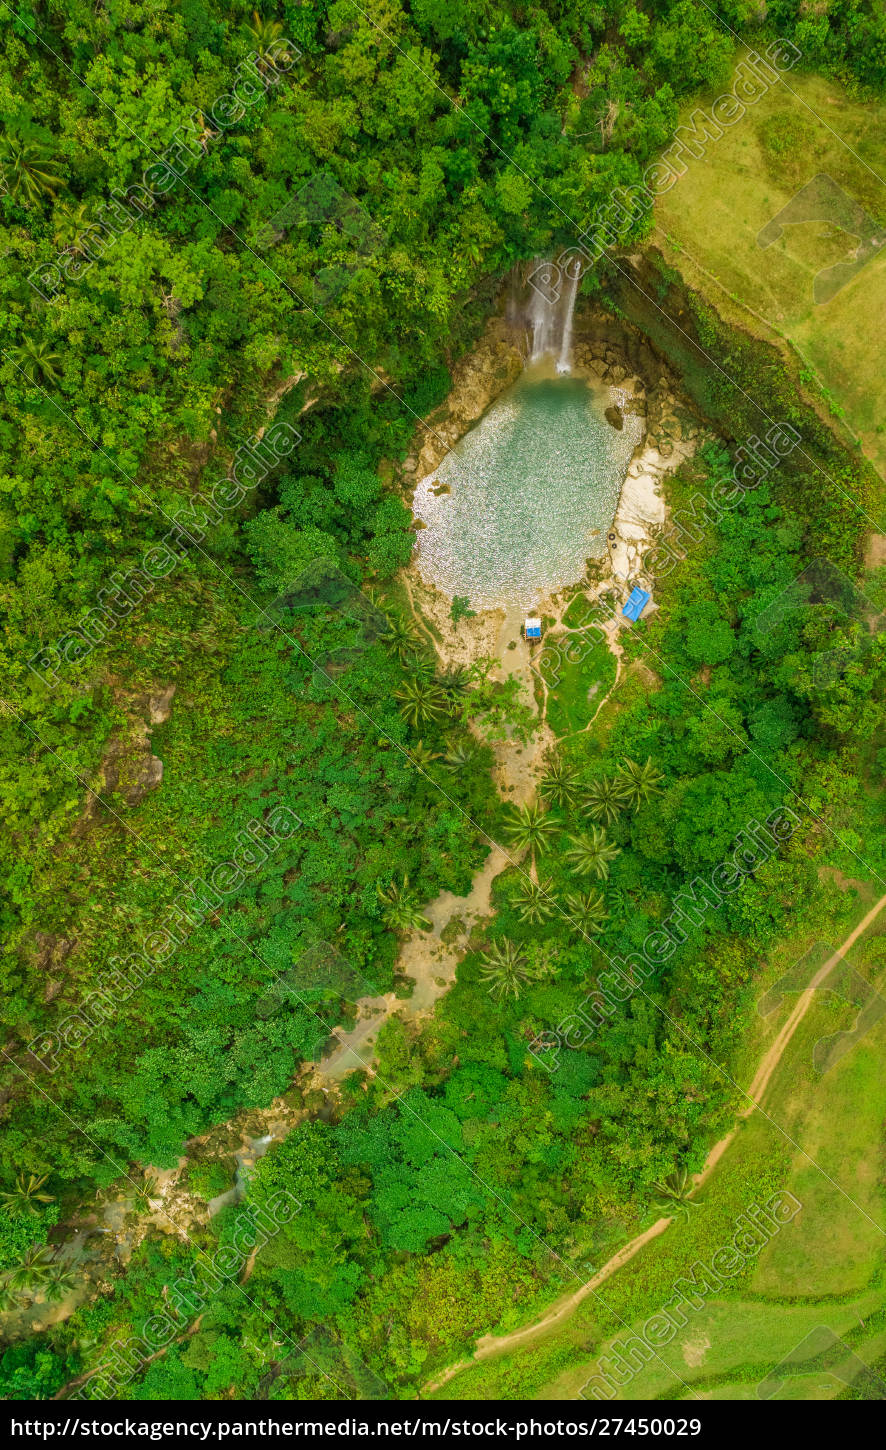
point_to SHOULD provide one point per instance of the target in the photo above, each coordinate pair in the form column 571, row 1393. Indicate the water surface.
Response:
column 533, row 491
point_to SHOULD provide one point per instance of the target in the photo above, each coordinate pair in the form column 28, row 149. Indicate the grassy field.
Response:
column 578, row 670
column 820, row 1139
column 709, row 222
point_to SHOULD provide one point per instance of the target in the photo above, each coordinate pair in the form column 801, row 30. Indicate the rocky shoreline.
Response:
column 609, row 352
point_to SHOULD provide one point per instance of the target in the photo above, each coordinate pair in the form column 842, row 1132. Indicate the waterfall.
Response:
column 549, row 314
column 564, row 361
column 542, row 320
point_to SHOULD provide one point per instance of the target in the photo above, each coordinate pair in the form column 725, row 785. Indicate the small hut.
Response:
column 532, row 627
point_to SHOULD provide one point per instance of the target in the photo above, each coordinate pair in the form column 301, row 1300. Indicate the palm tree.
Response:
column 561, row 786
column 62, row 1279
column 401, row 639
column 146, row 1192
column 69, row 224
column 455, row 682
column 590, row 854
column 460, row 757
column 27, row 169
column 532, row 901
column 422, row 755
column 587, row 912
column 530, row 828
column 402, row 911
column 505, row 969
column 603, row 799
column 26, row 1195
column 34, row 358
column 672, row 1194
column 638, row 783
column 421, row 700
column 206, row 132
column 33, row 1271
column 9, row 1299
column 263, row 34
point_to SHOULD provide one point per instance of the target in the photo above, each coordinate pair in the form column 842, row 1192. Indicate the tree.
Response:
column 587, row 912
column 505, row 969
column 33, row 1272
column 144, row 1196
column 638, row 783
column 533, row 901
column 69, row 222
column 672, row 1194
column 561, row 786
column 402, row 911
column 603, row 799
column 264, row 34
column 36, row 359
column 455, row 682
column 62, row 1279
column 421, row 701
column 461, row 609
column 460, row 756
column 402, row 639
column 590, row 854
column 422, row 755
column 27, row 169
column 530, row 828
column 24, row 1197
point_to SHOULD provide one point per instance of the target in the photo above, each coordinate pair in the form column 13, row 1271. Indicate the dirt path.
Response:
column 492, row 1344
column 431, row 958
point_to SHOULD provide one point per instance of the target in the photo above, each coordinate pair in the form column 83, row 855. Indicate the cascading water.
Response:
column 550, row 312
column 542, row 318
column 564, row 361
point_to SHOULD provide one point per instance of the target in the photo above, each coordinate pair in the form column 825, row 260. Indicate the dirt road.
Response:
column 492, row 1344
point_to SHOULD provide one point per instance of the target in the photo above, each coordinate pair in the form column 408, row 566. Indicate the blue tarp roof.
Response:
column 637, row 602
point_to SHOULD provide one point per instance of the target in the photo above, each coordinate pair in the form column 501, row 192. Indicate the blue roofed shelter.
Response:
column 637, row 602
column 533, row 628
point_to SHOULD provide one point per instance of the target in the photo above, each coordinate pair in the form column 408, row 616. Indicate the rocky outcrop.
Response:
column 477, row 380
column 128, row 768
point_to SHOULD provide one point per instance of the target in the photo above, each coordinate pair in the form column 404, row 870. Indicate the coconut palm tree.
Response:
column 36, row 358
column 401, row 638
column 460, row 757
column 62, row 1279
column 402, row 911
column 533, row 902
column 587, row 912
column 505, row 968
column 561, row 786
column 591, row 854
column 27, row 169
column 638, row 783
column 455, row 682
column 672, row 1194
column 530, row 828
column 33, row 1272
column 621, row 907
column 263, row 34
column 69, row 222
column 422, row 755
column 421, row 701
column 26, row 1195
column 603, row 799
